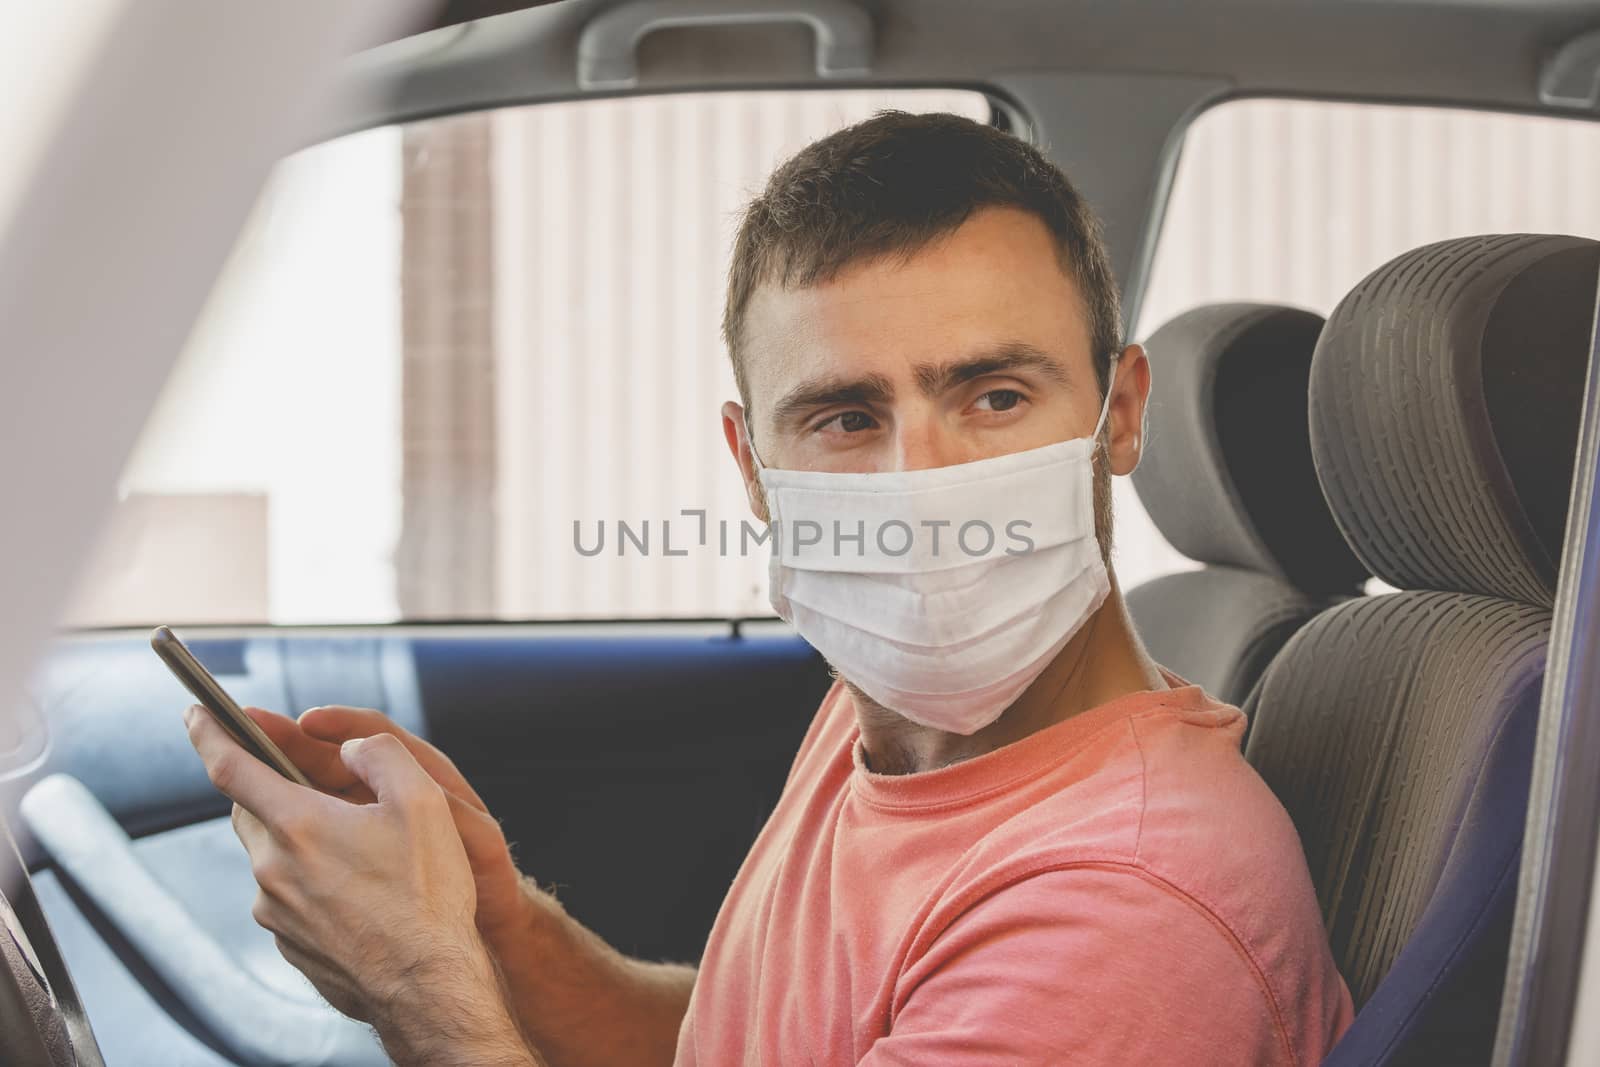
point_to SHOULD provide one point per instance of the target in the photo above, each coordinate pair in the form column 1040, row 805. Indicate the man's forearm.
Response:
column 454, row 1014
column 581, row 1002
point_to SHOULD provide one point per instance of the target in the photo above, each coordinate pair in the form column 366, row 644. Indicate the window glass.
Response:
column 448, row 358
column 1294, row 202
column 438, row 346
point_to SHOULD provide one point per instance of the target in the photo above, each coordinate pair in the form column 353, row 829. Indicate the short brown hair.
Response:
column 889, row 186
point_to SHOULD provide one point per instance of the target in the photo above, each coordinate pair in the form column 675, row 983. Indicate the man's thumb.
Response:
column 382, row 762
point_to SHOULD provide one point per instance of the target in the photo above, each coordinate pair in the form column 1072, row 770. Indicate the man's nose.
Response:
column 921, row 443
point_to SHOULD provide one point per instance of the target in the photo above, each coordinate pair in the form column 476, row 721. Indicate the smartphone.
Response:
column 222, row 707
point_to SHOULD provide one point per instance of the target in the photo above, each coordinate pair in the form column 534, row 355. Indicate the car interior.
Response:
column 1358, row 508
column 1230, row 482
column 1398, row 730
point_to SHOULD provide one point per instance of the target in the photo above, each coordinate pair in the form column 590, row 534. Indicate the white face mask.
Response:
column 941, row 593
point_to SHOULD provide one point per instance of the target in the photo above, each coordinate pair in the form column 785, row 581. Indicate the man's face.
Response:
column 976, row 346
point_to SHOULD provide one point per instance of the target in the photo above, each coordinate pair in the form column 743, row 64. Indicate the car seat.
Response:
column 1227, row 478
column 1398, row 729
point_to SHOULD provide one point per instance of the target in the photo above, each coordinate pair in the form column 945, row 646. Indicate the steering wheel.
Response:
column 42, row 1023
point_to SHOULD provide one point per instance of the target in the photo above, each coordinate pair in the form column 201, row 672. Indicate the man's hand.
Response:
column 371, row 894
column 580, row 1002
column 314, row 744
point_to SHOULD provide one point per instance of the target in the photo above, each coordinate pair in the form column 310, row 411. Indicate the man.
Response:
column 1009, row 836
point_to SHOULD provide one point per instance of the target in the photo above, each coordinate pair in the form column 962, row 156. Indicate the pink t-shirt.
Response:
column 1120, row 888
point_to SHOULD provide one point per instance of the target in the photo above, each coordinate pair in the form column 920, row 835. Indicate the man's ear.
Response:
column 735, row 432
column 1125, row 421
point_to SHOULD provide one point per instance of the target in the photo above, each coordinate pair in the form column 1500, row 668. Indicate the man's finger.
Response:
column 389, row 770
column 479, row 831
column 240, row 776
column 318, row 759
column 340, row 724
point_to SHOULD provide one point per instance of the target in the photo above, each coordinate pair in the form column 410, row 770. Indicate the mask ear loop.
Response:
column 1105, row 405
column 750, row 439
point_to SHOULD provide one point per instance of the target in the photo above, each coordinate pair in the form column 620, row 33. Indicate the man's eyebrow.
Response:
column 935, row 378
column 824, row 392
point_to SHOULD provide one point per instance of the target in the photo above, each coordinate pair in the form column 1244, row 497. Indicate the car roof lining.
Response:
column 1151, row 66
column 1486, row 53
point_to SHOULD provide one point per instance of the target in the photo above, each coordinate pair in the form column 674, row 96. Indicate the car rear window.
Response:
column 1295, row 201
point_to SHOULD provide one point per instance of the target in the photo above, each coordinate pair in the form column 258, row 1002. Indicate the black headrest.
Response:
column 1445, row 401
column 1227, row 475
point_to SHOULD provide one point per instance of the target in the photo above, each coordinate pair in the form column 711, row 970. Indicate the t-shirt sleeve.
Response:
column 1085, row 965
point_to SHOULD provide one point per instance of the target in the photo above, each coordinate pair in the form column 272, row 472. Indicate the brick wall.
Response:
column 445, row 559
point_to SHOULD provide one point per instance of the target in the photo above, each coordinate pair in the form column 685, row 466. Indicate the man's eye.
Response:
column 1000, row 400
column 849, row 422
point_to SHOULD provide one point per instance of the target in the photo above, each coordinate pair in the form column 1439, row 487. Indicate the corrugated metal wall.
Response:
column 606, row 247
column 1296, row 201
column 613, row 223
column 615, row 219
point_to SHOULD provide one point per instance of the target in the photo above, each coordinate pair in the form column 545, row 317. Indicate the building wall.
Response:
column 1296, row 201
column 615, row 220
column 557, row 355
